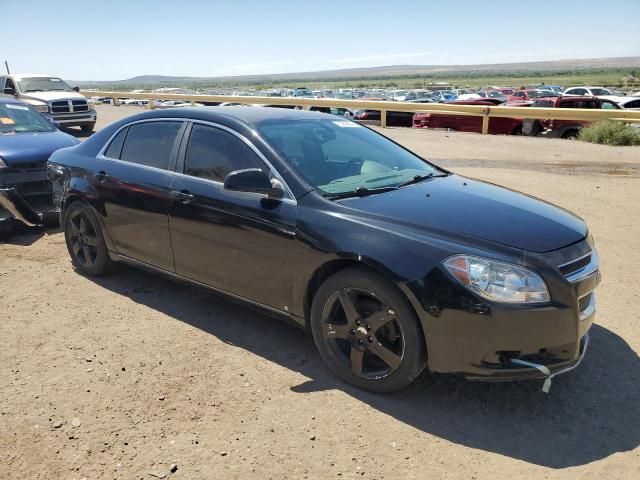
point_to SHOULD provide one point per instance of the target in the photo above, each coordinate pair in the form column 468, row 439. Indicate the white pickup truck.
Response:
column 52, row 97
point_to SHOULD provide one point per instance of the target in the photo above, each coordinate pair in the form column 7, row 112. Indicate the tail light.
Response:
column 362, row 116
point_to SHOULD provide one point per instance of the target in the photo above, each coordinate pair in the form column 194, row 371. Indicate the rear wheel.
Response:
column 570, row 135
column 367, row 332
column 85, row 241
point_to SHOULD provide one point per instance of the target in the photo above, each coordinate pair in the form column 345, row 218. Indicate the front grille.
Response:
column 574, row 266
column 60, row 107
column 80, row 106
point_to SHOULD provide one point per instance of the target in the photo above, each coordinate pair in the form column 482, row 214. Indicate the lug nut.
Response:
column 368, row 327
column 370, row 339
column 357, row 322
column 352, row 332
column 360, row 341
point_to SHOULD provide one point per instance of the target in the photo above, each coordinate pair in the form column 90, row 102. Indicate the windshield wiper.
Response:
column 359, row 192
column 420, row 178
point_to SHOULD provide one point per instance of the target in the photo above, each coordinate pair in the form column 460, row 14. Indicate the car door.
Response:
column 133, row 187
column 237, row 242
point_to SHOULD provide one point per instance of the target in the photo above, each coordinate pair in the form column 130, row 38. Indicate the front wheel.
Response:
column 88, row 128
column 85, row 241
column 367, row 332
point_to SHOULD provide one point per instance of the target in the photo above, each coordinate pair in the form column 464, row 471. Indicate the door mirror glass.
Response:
column 76, row 89
column 251, row 180
column 9, row 91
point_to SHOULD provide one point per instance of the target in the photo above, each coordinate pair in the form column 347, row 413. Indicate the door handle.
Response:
column 101, row 175
column 184, row 196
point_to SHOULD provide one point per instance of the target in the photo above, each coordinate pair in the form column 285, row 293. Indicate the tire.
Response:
column 85, row 241
column 366, row 331
column 88, row 128
column 517, row 131
column 530, row 127
column 570, row 135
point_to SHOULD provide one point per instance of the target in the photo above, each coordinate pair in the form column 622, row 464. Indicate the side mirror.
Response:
column 53, row 122
column 251, row 180
column 9, row 91
column 76, row 89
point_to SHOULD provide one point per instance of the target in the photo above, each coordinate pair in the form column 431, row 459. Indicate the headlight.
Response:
column 498, row 281
column 42, row 108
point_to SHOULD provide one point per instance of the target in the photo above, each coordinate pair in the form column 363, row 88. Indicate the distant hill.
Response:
column 385, row 71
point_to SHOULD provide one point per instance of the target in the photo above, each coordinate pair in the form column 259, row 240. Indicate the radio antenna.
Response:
column 6, row 65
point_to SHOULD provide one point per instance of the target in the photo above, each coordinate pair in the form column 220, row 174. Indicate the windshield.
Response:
column 16, row 118
column 494, row 94
column 43, row 84
column 340, row 156
column 541, row 93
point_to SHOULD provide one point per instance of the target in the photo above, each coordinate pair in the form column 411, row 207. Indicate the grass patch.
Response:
column 610, row 132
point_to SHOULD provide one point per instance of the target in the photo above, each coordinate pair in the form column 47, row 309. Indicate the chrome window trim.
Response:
column 289, row 199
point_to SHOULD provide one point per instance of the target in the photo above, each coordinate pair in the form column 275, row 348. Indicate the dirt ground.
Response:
column 124, row 376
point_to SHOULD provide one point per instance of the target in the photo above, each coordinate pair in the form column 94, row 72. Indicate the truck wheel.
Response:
column 85, row 241
column 367, row 332
column 570, row 135
column 88, row 128
column 531, row 127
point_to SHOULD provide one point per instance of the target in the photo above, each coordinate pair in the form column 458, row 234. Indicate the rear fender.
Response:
column 80, row 189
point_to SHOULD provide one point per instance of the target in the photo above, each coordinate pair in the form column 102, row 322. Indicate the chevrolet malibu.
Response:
column 393, row 264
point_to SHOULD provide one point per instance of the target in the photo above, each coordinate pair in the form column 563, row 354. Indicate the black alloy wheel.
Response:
column 84, row 240
column 363, row 333
column 367, row 332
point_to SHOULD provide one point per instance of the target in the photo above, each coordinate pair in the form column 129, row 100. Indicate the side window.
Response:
column 634, row 104
column 608, row 106
column 212, row 153
column 10, row 84
column 518, row 94
column 150, row 143
column 115, row 148
column 2, row 81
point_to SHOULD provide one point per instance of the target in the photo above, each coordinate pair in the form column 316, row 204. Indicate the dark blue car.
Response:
column 27, row 139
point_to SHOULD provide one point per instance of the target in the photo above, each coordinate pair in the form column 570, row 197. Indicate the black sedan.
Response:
column 392, row 263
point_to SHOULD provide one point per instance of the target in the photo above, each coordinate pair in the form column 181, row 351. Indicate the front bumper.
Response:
column 496, row 342
column 74, row 119
column 26, row 196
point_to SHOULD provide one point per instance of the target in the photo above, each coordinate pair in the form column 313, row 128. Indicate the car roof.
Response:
column 249, row 115
column 25, row 75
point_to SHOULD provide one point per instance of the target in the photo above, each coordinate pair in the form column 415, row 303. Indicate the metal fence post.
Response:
column 116, row 102
column 383, row 118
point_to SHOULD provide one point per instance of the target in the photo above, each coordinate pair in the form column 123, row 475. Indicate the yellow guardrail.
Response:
column 486, row 112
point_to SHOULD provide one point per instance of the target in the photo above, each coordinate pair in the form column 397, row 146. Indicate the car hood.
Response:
column 51, row 96
column 472, row 208
column 32, row 150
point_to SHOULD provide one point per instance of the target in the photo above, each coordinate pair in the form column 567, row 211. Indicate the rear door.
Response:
column 241, row 243
column 134, row 189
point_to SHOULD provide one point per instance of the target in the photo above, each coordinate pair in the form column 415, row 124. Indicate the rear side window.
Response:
column 115, row 148
column 212, row 153
column 150, row 143
column 542, row 103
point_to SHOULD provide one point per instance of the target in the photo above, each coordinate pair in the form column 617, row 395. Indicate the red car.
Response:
column 468, row 123
column 532, row 94
column 567, row 129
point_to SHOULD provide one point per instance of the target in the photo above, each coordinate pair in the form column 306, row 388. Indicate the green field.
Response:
column 617, row 77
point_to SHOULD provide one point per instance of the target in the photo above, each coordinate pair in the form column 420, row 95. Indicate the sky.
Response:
column 119, row 39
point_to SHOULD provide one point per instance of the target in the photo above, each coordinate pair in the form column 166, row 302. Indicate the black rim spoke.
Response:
column 92, row 241
column 356, row 358
column 336, row 331
column 88, row 254
column 379, row 319
column 75, row 231
column 76, row 247
column 348, row 305
column 384, row 354
column 83, row 225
